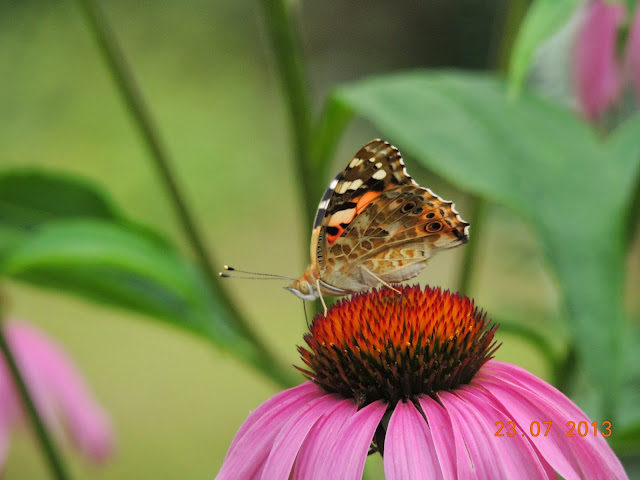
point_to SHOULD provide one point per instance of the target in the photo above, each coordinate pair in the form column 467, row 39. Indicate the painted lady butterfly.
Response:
column 375, row 224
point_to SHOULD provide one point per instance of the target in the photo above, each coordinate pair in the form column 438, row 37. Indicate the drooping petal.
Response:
column 298, row 395
column 478, row 452
column 443, row 436
column 513, row 449
column 529, row 399
column 409, row 452
column 632, row 59
column 59, row 390
column 251, row 447
column 596, row 74
column 288, row 442
column 350, row 451
column 320, row 440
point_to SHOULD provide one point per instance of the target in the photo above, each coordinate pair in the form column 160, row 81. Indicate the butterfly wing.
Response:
column 396, row 235
column 374, row 215
column 375, row 168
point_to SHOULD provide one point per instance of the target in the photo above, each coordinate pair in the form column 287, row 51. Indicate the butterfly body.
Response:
column 375, row 224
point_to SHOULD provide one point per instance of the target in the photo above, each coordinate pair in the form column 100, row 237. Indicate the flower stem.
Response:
column 288, row 59
column 566, row 370
column 134, row 101
column 633, row 221
column 535, row 339
column 47, row 445
column 477, row 216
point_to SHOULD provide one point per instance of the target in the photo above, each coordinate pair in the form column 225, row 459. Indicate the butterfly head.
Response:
column 303, row 289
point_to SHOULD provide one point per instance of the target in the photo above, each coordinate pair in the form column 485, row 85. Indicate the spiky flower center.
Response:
column 385, row 345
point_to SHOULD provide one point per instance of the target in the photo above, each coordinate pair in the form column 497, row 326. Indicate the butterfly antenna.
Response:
column 251, row 275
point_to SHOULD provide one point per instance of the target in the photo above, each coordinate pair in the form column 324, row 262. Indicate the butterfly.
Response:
column 375, row 224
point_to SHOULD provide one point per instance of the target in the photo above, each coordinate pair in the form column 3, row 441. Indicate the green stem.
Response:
column 285, row 45
column 476, row 217
column 516, row 10
column 565, row 371
column 48, row 447
column 633, row 221
column 536, row 340
column 134, row 101
column 499, row 59
column 326, row 133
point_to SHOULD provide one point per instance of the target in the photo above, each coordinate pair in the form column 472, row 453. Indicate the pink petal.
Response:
column 632, row 59
column 516, row 454
column 288, row 442
column 350, row 452
column 58, row 388
column 479, row 457
column 409, row 452
column 529, row 399
column 443, row 436
column 251, row 447
column 321, row 439
column 596, row 73
column 300, row 394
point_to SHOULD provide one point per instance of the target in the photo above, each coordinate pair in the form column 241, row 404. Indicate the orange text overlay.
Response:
column 546, row 428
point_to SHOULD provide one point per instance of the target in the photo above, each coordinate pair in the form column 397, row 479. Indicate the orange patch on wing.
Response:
column 332, row 238
column 345, row 217
column 365, row 200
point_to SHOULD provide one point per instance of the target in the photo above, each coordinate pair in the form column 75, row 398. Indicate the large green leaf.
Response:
column 540, row 161
column 543, row 19
column 112, row 264
column 30, row 198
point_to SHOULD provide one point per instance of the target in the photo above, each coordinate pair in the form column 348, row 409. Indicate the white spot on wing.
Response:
column 378, row 165
column 356, row 162
column 379, row 175
column 343, row 187
column 333, row 183
column 355, row 184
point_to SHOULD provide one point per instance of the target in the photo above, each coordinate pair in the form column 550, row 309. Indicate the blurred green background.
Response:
column 204, row 67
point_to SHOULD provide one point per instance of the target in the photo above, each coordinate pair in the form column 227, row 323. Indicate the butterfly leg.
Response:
column 379, row 279
column 321, row 297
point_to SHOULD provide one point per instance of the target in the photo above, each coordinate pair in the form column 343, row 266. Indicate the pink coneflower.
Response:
column 410, row 376
column 601, row 66
column 59, row 393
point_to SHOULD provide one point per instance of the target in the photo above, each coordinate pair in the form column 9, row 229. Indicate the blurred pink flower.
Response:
column 410, row 377
column 596, row 72
column 632, row 58
column 600, row 70
column 59, row 393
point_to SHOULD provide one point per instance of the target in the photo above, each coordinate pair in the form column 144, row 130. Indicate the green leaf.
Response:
column 114, row 265
column 536, row 159
column 543, row 19
column 9, row 238
column 29, row 198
